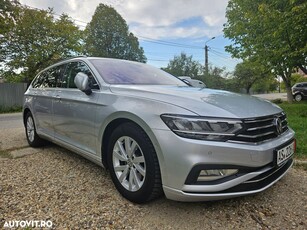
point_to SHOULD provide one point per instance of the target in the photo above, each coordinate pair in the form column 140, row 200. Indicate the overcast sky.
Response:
column 184, row 25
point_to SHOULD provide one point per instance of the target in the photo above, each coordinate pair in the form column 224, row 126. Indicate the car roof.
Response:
column 300, row 83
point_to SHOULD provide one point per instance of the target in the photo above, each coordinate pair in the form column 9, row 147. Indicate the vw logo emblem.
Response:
column 278, row 125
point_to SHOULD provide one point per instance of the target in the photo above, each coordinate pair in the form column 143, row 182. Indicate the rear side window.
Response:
column 38, row 81
column 57, row 73
column 50, row 78
column 45, row 80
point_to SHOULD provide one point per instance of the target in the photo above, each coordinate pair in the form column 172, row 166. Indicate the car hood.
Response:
column 204, row 102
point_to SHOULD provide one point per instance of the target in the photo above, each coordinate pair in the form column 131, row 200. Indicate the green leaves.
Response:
column 184, row 65
column 248, row 73
column 273, row 32
column 107, row 35
column 35, row 40
column 31, row 40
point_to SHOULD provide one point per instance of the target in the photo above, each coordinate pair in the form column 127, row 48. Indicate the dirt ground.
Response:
column 54, row 184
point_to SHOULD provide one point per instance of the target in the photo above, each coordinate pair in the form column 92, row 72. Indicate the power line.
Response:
column 159, row 60
column 145, row 39
column 224, row 60
column 58, row 15
column 224, row 57
column 163, row 42
column 214, row 50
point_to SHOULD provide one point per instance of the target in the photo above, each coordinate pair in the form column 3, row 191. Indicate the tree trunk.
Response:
column 289, row 94
column 248, row 89
column 286, row 78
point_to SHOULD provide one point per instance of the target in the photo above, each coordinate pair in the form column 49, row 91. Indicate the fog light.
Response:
column 215, row 174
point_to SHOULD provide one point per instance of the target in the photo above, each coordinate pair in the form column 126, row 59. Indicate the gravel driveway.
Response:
column 54, row 184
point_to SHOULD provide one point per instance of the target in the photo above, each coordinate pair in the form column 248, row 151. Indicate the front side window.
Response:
column 126, row 72
column 73, row 69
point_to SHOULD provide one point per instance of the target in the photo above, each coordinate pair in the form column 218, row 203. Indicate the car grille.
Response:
column 261, row 129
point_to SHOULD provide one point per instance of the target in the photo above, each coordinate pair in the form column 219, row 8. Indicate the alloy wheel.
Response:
column 30, row 129
column 129, row 163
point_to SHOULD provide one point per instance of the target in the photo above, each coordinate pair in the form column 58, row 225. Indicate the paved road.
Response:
column 272, row 96
column 11, row 121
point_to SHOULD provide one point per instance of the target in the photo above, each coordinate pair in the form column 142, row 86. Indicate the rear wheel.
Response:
column 298, row 97
column 32, row 137
column 133, row 164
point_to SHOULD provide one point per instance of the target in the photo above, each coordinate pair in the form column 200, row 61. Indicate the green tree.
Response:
column 35, row 40
column 7, row 12
column 217, row 78
column 265, row 85
column 184, row 65
column 273, row 32
column 107, row 35
column 247, row 73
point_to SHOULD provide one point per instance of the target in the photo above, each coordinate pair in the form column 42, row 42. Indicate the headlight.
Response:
column 202, row 128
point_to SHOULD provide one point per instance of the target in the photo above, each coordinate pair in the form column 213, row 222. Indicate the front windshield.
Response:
column 126, row 72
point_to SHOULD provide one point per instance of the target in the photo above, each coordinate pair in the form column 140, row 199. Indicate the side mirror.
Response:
column 187, row 82
column 81, row 81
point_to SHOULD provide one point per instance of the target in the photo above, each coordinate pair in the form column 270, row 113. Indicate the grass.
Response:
column 5, row 154
column 297, row 119
column 13, row 109
column 300, row 165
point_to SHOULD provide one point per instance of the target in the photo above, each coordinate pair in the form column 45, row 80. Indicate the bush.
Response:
column 12, row 109
column 277, row 101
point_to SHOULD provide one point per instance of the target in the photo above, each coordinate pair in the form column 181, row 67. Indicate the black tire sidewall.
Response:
column 298, row 95
column 136, row 133
column 37, row 140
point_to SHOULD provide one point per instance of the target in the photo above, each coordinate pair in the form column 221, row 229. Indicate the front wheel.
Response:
column 133, row 164
column 32, row 137
column 298, row 97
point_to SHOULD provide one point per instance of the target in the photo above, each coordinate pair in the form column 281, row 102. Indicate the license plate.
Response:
column 284, row 154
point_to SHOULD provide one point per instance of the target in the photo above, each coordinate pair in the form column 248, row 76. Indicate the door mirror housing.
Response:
column 82, row 83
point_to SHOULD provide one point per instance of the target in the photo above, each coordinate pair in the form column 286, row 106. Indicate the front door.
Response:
column 74, row 112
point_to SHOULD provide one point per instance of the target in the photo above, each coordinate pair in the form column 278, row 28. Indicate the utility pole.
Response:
column 206, row 61
column 206, row 57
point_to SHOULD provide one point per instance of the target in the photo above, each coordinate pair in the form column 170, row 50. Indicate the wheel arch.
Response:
column 118, row 119
column 25, row 112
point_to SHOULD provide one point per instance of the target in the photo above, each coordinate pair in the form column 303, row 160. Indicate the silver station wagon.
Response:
column 155, row 134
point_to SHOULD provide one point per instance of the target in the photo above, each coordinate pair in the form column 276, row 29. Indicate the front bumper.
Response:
column 246, row 188
column 180, row 156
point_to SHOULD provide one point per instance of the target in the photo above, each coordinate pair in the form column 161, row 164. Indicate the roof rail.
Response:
column 64, row 59
column 80, row 56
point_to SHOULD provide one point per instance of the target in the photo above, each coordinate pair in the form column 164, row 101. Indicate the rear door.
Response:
column 74, row 112
column 42, row 92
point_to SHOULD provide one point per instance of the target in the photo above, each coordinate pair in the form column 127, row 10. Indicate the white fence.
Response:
column 11, row 94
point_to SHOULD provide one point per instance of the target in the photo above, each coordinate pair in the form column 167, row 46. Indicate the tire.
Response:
column 298, row 97
column 32, row 137
column 136, row 172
